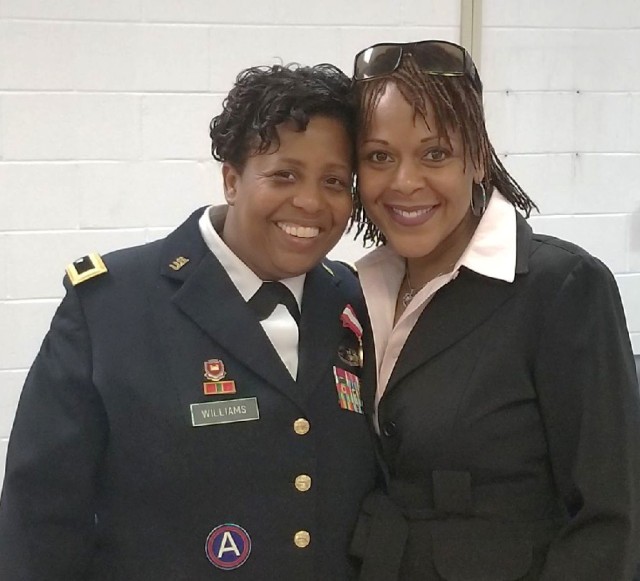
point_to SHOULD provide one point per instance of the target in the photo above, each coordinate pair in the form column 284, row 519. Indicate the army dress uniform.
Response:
column 159, row 436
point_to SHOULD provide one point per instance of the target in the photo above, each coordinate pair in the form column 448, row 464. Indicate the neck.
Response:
column 442, row 259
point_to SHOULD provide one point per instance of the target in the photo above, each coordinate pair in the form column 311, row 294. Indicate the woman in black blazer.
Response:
column 499, row 374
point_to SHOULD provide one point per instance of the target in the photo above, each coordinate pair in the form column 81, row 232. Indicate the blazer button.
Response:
column 302, row 539
column 301, row 426
column 389, row 429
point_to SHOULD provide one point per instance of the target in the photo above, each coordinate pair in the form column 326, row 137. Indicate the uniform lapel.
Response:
column 211, row 301
column 457, row 309
column 320, row 327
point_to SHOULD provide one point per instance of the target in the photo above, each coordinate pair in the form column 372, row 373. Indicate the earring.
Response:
column 478, row 208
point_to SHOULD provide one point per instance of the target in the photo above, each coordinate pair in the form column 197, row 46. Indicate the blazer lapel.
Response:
column 320, row 327
column 457, row 309
column 369, row 383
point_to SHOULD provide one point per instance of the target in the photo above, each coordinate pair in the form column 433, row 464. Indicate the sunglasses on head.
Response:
column 434, row 57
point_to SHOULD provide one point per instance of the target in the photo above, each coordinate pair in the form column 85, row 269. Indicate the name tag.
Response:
column 224, row 412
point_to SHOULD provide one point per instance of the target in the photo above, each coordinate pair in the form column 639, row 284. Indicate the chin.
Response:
column 409, row 248
column 291, row 270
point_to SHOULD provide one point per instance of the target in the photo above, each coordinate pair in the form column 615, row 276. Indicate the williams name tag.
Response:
column 224, row 412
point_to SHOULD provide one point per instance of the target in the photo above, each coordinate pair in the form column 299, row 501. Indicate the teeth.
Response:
column 299, row 231
column 412, row 213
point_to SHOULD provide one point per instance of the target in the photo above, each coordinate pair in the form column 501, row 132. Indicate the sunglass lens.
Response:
column 439, row 57
column 376, row 61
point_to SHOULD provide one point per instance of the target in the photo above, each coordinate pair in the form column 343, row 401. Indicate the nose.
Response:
column 309, row 198
column 407, row 178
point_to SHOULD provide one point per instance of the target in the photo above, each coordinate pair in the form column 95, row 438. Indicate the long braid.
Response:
column 456, row 106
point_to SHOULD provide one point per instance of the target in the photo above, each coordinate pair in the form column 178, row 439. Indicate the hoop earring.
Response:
column 478, row 208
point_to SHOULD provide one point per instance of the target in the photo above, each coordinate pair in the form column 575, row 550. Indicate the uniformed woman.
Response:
column 194, row 412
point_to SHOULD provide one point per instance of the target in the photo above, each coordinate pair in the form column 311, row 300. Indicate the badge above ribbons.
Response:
column 350, row 321
column 214, row 371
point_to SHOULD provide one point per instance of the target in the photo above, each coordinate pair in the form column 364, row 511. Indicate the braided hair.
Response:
column 456, row 106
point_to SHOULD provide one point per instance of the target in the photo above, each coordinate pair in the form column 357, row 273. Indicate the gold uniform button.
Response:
column 301, row 426
column 303, row 482
column 302, row 539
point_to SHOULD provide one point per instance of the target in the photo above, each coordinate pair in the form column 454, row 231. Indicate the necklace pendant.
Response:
column 408, row 297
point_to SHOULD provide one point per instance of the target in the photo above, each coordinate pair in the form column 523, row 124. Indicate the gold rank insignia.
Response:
column 85, row 268
column 178, row 263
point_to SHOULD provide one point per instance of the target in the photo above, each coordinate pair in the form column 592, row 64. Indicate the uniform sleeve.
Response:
column 47, row 513
column 588, row 393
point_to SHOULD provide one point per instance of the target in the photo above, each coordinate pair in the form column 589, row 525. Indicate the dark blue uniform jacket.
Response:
column 107, row 478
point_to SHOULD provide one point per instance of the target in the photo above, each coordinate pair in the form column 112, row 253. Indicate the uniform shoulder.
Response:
column 343, row 271
column 348, row 284
column 120, row 263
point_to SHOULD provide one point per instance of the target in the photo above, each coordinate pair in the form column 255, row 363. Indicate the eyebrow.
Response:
column 385, row 142
column 329, row 166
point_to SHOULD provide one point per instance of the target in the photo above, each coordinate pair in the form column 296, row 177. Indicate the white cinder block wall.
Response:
column 105, row 105
column 563, row 108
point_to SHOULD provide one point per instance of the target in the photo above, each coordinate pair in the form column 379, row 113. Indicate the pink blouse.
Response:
column 491, row 252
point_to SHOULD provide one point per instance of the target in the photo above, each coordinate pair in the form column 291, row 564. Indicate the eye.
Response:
column 436, row 154
column 337, row 183
column 378, row 157
column 284, row 175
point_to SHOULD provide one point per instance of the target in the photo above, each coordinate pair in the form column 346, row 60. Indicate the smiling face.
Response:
column 288, row 207
column 414, row 184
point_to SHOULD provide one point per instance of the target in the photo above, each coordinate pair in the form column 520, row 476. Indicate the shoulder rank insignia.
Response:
column 85, row 268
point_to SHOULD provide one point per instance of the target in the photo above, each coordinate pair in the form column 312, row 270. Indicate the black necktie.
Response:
column 271, row 294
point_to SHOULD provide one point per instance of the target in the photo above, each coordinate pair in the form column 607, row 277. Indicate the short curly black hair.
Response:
column 264, row 97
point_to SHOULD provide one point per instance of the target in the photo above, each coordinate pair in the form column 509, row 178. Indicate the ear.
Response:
column 478, row 169
column 230, row 179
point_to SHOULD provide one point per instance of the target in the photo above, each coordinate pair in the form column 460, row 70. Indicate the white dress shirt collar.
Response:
column 245, row 280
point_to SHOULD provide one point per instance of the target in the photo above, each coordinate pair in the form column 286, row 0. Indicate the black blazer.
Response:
column 107, row 479
column 510, row 431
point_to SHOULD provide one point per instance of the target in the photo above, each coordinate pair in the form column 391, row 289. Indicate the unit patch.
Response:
column 228, row 546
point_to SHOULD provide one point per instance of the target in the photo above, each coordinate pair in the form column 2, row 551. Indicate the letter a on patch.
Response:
column 228, row 546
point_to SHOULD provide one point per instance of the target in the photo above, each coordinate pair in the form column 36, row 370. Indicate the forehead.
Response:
column 325, row 140
column 390, row 112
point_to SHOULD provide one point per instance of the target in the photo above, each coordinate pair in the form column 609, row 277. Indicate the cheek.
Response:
column 369, row 183
column 456, row 188
column 341, row 209
column 262, row 202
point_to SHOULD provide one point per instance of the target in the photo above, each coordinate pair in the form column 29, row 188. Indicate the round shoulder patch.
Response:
column 228, row 546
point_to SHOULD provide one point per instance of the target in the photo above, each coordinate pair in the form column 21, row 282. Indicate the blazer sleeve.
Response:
column 47, row 513
column 589, row 401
